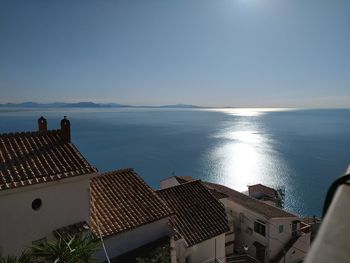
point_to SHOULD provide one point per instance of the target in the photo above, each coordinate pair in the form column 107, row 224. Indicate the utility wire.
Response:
column 100, row 236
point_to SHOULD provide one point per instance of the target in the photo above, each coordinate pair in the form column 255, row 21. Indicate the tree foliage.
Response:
column 65, row 249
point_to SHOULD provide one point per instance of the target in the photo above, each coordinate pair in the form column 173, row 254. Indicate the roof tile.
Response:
column 42, row 156
column 198, row 215
column 121, row 201
column 258, row 206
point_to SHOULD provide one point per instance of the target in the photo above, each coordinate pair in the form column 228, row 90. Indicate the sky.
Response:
column 239, row 53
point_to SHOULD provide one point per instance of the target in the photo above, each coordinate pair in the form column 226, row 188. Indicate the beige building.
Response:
column 48, row 187
column 265, row 194
column 263, row 231
column 199, row 221
column 44, row 186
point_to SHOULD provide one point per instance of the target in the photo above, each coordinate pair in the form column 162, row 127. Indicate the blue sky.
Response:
column 241, row 53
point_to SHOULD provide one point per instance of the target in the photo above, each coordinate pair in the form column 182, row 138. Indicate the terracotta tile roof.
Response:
column 198, row 215
column 251, row 203
column 121, row 201
column 185, row 179
column 258, row 206
column 36, row 157
column 263, row 189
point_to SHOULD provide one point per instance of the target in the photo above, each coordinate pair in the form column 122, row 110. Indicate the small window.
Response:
column 36, row 204
column 280, row 228
column 260, row 228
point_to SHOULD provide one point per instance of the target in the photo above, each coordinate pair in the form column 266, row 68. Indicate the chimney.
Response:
column 42, row 124
column 65, row 129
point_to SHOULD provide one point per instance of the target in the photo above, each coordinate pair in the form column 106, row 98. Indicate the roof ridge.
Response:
column 179, row 185
column 195, row 181
column 263, row 186
column 26, row 133
column 183, row 176
column 253, row 199
column 113, row 172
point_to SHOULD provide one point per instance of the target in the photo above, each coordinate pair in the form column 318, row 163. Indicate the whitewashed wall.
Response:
column 122, row 243
column 274, row 241
column 297, row 254
column 244, row 231
column 278, row 240
column 201, row 252
column 64, row 202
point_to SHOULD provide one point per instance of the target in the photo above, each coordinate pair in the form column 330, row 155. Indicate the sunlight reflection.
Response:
column 250, row 112
column 246, row 154
column 245, row 136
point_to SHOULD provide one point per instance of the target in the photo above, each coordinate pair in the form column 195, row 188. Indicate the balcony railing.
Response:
column 304, row 228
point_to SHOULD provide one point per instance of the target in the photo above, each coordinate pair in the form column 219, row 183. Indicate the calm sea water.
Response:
column 301, row 150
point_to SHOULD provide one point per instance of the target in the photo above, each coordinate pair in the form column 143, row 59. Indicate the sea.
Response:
column 301, row 151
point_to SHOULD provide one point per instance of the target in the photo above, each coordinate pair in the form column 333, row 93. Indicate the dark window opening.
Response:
column 260, row 228
column 36, row 204
column 280, row 228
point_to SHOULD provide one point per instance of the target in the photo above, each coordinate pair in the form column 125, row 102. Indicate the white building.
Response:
column 270, row 234
column 48, row 187
column 199, row 221
column 44, row 186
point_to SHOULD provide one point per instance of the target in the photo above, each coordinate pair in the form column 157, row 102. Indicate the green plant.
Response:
column 66, row 249
column 25, row 257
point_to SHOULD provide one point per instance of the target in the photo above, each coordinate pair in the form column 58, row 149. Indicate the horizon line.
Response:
column 179, row 105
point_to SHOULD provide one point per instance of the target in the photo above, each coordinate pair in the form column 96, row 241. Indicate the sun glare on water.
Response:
column 246, row 154
column 250, row 112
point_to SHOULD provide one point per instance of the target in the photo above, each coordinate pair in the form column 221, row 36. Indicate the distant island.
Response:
column 87, row 104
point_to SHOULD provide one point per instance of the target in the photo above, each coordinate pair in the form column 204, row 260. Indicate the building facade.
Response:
column 44, row 186
column 199, row 221
column 264, row 232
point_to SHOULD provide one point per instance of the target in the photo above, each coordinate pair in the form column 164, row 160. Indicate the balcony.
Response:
column 304, row 228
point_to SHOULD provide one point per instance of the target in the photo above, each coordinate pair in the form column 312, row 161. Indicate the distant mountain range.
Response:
column 86, row 104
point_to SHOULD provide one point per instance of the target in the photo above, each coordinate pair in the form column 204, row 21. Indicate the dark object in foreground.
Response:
column 344, row 180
